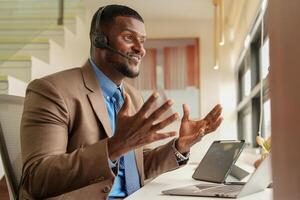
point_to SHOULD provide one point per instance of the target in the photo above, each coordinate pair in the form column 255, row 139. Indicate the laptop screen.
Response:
column 217, row 162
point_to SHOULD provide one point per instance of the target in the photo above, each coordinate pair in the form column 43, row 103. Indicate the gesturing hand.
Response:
column 138, row 130
column 192, row 131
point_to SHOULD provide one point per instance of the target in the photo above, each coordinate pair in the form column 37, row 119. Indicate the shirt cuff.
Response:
column 181, row 158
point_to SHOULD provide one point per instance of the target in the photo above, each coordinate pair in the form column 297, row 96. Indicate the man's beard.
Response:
column 126, row 71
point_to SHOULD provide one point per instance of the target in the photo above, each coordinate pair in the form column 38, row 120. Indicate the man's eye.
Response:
column 128, row 38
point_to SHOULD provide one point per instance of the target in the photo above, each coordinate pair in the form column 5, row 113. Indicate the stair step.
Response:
column 38, row 4
column 25, row 29
column 44, row 33
column 17, row 66
column 40, row 1
column 36, row 12
column 36, row 21
column 30, row 27
column 36, row 16
column 56, row 35
column 28, row 46
column 12, row 86
column 17, row 58
column 22, row 40
column 28, row 41
column 21, row 71
column 41, row 53
column 50, row 9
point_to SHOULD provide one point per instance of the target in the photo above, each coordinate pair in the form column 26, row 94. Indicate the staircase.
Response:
column 32, row 45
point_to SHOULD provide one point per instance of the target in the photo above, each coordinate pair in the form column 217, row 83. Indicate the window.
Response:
column 247, row 128
column 252, row 72
column 246, row 83
column 264, row 59
column 267, row 119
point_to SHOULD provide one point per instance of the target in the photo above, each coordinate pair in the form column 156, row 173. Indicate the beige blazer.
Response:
column 64, row 131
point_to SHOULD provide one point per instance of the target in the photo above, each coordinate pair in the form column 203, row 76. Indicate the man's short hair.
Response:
column 110, row 13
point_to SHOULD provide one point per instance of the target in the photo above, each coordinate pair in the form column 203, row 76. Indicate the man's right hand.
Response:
column 138, row 130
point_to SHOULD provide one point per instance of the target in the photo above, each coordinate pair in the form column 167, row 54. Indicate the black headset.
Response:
column 99, row 39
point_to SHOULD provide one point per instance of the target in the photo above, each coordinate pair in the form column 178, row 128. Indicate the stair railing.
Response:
column 60, row 20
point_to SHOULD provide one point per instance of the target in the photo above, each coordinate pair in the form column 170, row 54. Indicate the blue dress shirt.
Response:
column 109, row 88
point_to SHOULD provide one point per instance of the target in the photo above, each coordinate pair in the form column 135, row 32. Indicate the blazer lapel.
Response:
column 96, row 97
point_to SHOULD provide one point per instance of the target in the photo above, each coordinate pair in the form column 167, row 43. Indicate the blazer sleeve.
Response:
column 48, row 170
column 159, row 160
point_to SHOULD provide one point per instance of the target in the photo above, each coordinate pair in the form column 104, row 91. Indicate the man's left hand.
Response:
column 192, row 131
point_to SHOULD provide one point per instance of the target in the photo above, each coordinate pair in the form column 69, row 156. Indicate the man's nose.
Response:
column 139, row 48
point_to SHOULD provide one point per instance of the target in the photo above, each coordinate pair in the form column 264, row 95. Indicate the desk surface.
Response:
column 178, row 178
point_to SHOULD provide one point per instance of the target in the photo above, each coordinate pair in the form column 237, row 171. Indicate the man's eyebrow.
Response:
column 133, row 31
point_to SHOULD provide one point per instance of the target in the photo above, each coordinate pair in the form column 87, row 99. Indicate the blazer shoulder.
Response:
column 60, row 80
column 67, row 76
column 62, row 86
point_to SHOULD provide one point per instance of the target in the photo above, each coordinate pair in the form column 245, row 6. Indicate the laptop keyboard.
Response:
column 224, row 190
column 202, row 187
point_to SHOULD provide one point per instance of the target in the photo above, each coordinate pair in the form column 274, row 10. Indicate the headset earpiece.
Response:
column 100, row 41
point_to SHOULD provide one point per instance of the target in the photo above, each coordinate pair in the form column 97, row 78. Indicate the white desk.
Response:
column 178, row 178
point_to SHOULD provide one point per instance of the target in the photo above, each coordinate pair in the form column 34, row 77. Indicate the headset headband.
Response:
column 98, row 20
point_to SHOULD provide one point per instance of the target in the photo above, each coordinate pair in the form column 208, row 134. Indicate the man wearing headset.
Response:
column 83, row 129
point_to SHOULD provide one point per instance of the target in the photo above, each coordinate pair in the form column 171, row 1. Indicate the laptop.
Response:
column 259, row 181
column 219, row 160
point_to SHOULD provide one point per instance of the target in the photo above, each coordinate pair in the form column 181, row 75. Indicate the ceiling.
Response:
column 163, row 9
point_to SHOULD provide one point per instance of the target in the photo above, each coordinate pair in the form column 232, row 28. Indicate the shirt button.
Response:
column 106, row 189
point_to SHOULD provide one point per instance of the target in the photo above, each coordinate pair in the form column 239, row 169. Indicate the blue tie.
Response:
column 127, row 162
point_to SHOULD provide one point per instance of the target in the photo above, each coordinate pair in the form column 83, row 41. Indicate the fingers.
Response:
column 214, row 113
column 147, row 105
column 186, row 112
column 213, row 119
column 214, row 126
column 165, row 122
column 125, row 107
column 158, row 112
column 216, row 110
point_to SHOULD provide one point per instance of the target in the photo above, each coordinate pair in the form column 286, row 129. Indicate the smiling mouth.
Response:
column 135, row 57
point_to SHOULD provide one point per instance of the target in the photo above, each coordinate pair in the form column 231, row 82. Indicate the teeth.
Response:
column 135, row 57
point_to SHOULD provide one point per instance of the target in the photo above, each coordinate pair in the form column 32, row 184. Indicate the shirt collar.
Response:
column 108, row 86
